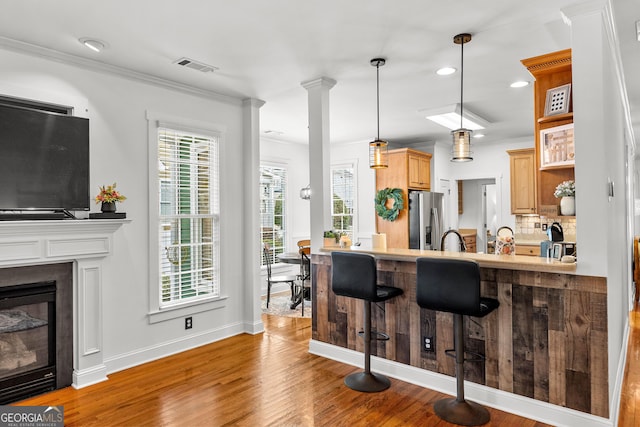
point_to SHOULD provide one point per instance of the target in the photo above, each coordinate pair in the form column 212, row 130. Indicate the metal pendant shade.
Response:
column 461, row 151
column 378, row 149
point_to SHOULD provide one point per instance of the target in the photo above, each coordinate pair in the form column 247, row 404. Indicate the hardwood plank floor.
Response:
column 630, row 396
column 268, row 379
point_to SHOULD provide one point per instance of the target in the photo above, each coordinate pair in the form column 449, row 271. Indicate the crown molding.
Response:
column 90, row 64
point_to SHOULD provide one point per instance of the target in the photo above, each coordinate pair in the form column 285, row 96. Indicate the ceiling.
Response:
column 265, row 49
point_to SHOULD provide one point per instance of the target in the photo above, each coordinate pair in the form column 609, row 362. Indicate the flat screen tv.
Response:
column 45, row 161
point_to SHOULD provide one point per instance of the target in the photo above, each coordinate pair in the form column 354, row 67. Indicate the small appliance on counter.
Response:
column 560, row 249
column 557, row 250
column 555, row 232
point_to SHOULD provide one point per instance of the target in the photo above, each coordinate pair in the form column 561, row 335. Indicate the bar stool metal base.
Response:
column 462, row 412
column 367, row 382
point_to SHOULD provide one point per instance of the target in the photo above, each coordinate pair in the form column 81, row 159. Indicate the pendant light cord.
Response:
column 378, row 98
column 461, row 82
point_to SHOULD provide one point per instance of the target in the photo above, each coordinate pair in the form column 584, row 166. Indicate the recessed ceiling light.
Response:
column 520, row 83
column 478, row 135
column 93, row 44
column 445, row 71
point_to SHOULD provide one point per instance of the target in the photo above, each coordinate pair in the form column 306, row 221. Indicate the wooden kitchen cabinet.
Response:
column 549, row 71
column 470, row 243
column 523, row 181
column 419, row 170
column 530, row 250
column 469, row 235
column 408, row 170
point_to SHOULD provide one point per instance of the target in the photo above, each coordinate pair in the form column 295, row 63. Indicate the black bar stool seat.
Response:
column 453, row 285
column 354, row 275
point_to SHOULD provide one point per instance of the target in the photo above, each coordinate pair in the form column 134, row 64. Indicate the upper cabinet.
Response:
column 419, row 170
column 553, row 121
column 408, row 169
column 523, row 181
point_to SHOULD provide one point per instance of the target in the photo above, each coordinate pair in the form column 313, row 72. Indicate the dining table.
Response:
column 296, row 258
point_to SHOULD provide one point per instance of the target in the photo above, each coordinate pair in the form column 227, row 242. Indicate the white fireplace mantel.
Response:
column 86, row 243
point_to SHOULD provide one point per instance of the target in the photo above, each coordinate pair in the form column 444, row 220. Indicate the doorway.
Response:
column 478, row 209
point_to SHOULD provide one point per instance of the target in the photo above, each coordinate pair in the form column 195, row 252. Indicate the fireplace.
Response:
column 69, row 253
column 35, row 308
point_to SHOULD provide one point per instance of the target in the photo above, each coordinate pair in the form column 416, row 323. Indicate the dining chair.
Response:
column 290, row 278
column 304, row 249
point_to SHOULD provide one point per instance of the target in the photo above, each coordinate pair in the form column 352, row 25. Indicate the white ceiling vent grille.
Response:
column 199, row 66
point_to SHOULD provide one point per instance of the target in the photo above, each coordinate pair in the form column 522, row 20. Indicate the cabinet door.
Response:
column 419, row 172
column 523, row 181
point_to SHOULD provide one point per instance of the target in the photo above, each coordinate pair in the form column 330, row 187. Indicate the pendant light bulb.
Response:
column 378, row 149
column 461, row 151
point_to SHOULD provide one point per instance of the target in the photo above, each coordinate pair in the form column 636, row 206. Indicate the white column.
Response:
column 251, row 212
column 600, row 109
column 319, row 157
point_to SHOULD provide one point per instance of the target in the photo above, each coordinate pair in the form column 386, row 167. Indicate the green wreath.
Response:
column 389, row 214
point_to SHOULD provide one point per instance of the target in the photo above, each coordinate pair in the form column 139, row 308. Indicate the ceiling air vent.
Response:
column 200, row 66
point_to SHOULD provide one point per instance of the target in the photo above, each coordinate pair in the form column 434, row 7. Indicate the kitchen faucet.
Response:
column 463, row 246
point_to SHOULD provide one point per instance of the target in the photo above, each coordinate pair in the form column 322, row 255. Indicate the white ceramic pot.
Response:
column 568, row 205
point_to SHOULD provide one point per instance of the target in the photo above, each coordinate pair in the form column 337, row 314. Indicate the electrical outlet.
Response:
column 188, row 322
column 427, row 344
column 544, row 227
column 536, row 225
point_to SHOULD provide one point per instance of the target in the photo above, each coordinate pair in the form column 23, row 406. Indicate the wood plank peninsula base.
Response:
column 547, row 341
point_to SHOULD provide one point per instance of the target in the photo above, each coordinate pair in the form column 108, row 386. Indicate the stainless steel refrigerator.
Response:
column 425, row 220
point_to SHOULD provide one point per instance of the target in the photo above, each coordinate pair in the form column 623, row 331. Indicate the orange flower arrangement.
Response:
column 109, row 194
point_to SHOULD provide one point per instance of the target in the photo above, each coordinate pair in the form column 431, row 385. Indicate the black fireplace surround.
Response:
column 36, row 305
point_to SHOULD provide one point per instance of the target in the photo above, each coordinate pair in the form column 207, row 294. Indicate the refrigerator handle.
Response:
column 435, row 230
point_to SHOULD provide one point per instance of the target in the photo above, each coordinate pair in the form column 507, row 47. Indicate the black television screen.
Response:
column 45, row 160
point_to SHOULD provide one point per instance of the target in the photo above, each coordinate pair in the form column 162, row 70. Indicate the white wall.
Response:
column 116, row 107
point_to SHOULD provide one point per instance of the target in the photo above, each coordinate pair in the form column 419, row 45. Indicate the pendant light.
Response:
column 461, row 151
column 378, row 149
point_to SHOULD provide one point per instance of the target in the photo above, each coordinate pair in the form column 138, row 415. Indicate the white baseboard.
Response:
column 498, row 399
column 254, row 328
column 86, row 377
column 614, row 410
column 158, row 351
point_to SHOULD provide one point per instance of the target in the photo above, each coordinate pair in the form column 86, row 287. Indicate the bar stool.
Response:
column 453, row 286
column 354, row 275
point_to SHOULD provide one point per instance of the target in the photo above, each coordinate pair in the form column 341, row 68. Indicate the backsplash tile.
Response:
column 525, row 225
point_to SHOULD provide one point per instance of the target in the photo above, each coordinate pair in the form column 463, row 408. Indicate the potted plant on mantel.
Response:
column 566, row 192
column 108, row 196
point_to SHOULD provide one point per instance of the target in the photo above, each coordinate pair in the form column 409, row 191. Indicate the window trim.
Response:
column 154, row 122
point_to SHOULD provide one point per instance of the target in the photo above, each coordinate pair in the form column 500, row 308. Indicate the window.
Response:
column 343, row 199
column 273, row 190
column 189, row 220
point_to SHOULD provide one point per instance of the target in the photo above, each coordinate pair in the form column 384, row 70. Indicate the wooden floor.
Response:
column 268, row 379
column 630, row 397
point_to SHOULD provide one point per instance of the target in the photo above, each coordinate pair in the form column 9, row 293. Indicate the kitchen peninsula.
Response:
column 544, row 342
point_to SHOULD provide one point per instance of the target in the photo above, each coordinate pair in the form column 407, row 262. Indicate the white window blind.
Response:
column 189, row 216
column 343, row 199
column 273, row 191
